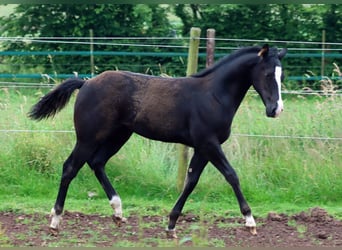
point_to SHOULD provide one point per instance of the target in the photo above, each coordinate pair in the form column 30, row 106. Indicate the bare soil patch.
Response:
column 314, row 227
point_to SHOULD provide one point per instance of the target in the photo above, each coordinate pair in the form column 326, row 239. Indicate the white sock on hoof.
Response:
column 115, row 203
column 171, row 233
column 250, row 222
column 56, row 219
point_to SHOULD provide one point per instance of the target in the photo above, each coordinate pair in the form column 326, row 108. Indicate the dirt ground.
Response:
column 314, row 227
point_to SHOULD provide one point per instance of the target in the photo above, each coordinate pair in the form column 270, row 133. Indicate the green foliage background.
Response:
column 281, row 22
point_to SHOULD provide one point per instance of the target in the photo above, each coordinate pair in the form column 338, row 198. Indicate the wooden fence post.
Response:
column 210, row 47
column 92, row 66
column 183, row 150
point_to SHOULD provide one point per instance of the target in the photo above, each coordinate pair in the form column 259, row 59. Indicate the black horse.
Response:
column 196, row 111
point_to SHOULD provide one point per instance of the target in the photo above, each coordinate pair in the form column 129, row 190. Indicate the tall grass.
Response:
column 271, row 170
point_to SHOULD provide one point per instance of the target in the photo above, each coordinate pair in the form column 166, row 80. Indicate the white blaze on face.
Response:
column 280, row 107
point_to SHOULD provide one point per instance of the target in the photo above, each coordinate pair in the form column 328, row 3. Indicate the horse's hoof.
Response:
column 250, row 224
column 252, row 230
column 171, row 233
column 119, row 220
column 53, row 231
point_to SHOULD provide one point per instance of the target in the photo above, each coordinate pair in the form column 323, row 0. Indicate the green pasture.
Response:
column 293, row 166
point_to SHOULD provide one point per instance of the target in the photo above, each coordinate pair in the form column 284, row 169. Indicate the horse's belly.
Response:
column 164, row 130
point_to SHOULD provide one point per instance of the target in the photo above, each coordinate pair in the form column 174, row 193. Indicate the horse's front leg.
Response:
column 195, row 170
column 218, row 159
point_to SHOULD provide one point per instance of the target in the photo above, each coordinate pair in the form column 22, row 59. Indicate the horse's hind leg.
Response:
column 97, row 164
column 70, row 169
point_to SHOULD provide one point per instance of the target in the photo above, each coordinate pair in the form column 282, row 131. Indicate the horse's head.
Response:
column 267, row 77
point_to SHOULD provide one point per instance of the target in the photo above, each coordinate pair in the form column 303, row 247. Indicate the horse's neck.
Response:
column 232, row 83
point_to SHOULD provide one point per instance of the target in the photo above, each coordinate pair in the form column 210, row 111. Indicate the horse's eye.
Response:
column 269, row 75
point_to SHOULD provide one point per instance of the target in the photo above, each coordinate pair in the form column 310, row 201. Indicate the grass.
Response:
column 4, row 240
column 275, row 173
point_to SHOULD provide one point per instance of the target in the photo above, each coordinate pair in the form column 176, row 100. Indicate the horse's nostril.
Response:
column 274, row 110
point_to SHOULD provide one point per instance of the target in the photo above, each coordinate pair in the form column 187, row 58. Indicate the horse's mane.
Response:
column 227, row 59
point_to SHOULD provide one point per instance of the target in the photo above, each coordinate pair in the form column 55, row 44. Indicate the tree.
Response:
column 332, row 23
column 285, row 22
column 66, row 20
column 281, row 22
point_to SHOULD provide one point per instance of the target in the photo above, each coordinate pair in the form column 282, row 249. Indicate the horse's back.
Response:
column 154, row 107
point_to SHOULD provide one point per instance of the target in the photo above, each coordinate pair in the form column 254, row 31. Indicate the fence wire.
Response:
column 234, row 135
column 164, row 42
column 337, row 93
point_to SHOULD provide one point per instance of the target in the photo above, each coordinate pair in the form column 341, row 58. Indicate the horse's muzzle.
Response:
column 275, row 109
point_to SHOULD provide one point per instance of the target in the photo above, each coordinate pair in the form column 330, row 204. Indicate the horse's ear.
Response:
column 264, row 50
column 282, row 53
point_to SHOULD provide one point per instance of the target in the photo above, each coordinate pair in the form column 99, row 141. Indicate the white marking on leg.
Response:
column 56, row 219
column 250, row 222
column 280, row 107
column 115, row 202
column 171, row 233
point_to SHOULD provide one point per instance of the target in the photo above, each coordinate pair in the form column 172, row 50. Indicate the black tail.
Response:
column 55, row 100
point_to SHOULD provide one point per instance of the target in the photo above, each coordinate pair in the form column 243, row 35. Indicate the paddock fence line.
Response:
column 313, row 49
column 233, row 134
column 87, row 40
column 6, row 84
column 146, row 54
